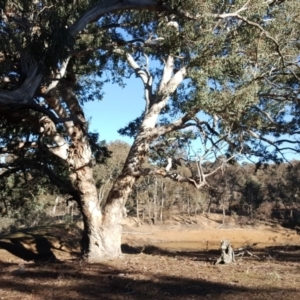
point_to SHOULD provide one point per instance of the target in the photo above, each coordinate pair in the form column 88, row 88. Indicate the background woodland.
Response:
column 248, row 190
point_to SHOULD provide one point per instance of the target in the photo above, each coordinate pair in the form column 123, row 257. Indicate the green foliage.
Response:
column 99, row 148
column 107, row 172
column 132, row 128
column 234, row 67
column 252, row 194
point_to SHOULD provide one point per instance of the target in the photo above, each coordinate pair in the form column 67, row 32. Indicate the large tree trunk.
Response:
column 102, row 231
column 101, row 240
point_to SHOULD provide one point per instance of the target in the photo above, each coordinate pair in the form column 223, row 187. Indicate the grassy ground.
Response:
column 173, row 261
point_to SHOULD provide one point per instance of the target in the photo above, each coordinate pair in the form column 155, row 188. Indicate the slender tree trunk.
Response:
column 137, row 209
column 224, row 212
column 161, row 209
column 149, row 211
column 209, row 205
column 155, row 202
column 55, row 205
column 188, row 206
column 162, row 201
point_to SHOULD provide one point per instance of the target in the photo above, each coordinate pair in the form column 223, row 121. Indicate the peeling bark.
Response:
column 102, row 232
column 101, row 238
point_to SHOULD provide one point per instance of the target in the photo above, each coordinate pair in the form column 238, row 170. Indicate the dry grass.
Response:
column 41, row 263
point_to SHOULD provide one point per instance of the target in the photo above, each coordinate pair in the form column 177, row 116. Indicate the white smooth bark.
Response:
column 167, row 73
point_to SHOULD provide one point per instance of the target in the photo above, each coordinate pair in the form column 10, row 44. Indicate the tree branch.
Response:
column 109, row 6
column 24, row 94
column 244, row 19
column 13, row 146
column 167, row 73
column 171, row 86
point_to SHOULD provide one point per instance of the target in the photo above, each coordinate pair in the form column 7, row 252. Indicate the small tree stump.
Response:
column 227, row 253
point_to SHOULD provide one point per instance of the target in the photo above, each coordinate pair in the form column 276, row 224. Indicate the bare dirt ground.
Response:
column 171, row 261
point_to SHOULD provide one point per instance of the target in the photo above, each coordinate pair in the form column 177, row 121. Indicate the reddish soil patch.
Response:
column 160, row 262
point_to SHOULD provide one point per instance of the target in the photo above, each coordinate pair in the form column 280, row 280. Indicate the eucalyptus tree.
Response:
column 209, row 61
column 225, row 65
column 213, row 57
column 46, row 55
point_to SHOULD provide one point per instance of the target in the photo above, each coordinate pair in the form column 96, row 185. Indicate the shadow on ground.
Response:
column 40, row 243
column 43, row 249
column 100, row 281
column 147, row 272
column 276, row 253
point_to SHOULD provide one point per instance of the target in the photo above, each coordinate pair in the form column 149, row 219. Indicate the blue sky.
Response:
column 118, row 107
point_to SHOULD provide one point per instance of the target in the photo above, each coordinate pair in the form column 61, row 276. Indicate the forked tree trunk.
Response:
column 103, row 228
column 101, row 240
column 102, row 231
